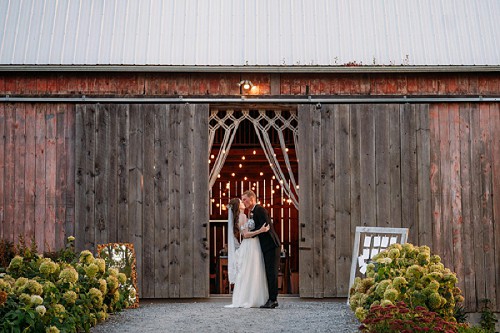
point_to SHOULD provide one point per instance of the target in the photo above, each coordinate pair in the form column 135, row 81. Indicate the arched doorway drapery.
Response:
column 263, row 121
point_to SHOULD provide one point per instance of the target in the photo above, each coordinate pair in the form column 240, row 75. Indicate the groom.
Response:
column 269, row 244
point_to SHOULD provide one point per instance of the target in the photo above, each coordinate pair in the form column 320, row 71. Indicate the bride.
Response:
column 245, row 260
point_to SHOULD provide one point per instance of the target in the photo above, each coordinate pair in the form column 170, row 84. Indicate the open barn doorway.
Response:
column 254, row 149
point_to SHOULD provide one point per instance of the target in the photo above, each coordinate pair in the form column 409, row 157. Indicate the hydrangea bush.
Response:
column 38, row 294
column 409, row 274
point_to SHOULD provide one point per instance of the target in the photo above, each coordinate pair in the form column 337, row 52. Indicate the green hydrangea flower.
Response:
column 435, row 259
column 399, row 282
column 101, row 263
column 20, row 283
column 101, row 316
column 414, row 272
column 33, row 287
column 391, row 294
column 59, row 310
column 116, row 297
column 435, row 301
column 69, row 275
column 394, row 253
column 103, row 286
column 48, row 267
column 382, row 286
column 423, row 258
column 360, row 313
column 36, row 300
column 112, row 283
column 52, row 329
column 70, row 297
column 5, row 286
column 41, row 310
column 16, row 263
column 96, row 296
column 25, row 298
column 91, row 270
column 86, row 257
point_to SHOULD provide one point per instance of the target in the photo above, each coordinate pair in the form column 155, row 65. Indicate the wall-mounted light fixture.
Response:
column 245, row 85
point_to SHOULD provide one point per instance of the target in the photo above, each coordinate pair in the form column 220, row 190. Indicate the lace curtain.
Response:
column 263, row 125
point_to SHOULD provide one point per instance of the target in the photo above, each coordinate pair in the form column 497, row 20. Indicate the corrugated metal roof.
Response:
column 277, row 33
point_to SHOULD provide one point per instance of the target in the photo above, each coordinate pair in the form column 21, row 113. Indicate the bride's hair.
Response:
column 234, row 205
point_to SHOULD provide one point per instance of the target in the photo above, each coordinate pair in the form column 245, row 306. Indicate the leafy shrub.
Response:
column 488, row 318
column 7, row 252
column 400, row 318
column 39, row 294
column 410, row 274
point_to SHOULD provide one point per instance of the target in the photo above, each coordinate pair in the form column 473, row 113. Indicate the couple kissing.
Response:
column 253, row 254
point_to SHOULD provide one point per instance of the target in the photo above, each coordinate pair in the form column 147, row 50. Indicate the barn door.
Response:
column 142, row 177
column 359, row 165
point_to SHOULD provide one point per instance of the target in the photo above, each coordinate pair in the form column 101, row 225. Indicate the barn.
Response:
column 136, row 121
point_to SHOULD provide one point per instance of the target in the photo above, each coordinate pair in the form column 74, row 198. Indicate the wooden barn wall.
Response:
column 37, row 173
column 465, row 196
column 137, row 181
column 226, row 84
column 431, row 168
column 447, row 190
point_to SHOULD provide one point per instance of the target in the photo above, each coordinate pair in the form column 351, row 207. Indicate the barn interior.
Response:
column 247, row 168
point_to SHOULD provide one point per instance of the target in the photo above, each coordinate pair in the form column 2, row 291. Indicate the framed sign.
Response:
column 370, row 241
column 122, row 257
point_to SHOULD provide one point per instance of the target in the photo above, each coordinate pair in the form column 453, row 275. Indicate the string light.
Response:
column 241, row 165
column 261, row 173
column 233, row 174
column 243, row 157
column 254, row 152
column 212, row 156
column 245, row 178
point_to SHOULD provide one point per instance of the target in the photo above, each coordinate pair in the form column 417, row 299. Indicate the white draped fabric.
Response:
column 263, row 124
column 230, row 125
column 287, row 180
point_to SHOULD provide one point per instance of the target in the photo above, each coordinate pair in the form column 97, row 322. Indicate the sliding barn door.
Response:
column 359, row 165
column 142, row 177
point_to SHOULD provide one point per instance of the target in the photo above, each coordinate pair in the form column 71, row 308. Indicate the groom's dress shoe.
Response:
column 270, row 305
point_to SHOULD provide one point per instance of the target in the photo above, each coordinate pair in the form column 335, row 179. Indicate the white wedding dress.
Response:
column 250, row 287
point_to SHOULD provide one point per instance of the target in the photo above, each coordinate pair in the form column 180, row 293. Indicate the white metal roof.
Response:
column 249, row 33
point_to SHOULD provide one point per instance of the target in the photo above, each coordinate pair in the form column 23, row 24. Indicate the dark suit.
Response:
column 270, row 245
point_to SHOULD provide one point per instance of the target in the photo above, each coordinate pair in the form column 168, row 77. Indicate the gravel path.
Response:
column 292, row 315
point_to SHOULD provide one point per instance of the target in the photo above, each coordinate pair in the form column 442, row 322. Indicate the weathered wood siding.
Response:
column 358, row 165
column 434, row 169
column 138, row 180
column 36, row 173
column 465, row 196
